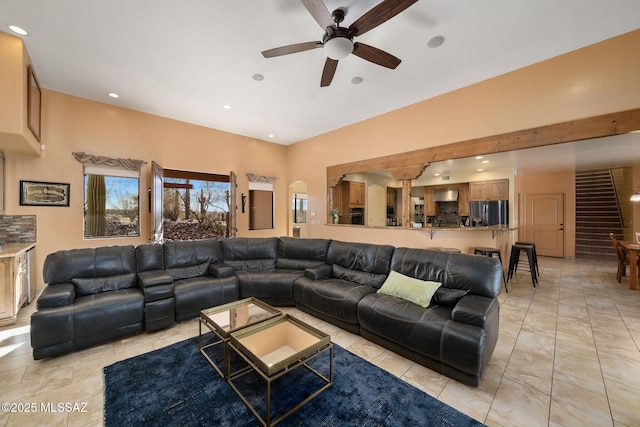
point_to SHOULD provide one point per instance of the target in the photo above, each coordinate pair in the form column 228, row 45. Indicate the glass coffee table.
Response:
column 224, row 319
column 277, row 347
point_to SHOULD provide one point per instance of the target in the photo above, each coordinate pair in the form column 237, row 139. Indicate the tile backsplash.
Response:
column 17, row 228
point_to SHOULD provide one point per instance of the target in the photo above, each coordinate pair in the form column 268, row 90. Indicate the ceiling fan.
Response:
column 337, row 41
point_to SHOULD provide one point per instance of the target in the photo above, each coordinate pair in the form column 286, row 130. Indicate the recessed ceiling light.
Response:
column 271, row 135
column 114, row 95
column 258, row 77
column 478, row 157
column 357, row 80
column 436, row 174
column 485, row 161
column 436, row 41
column 479, row 170
column 18, row 30
column 227, row 107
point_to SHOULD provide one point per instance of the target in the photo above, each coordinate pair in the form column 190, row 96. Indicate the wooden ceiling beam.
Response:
column 410, row 165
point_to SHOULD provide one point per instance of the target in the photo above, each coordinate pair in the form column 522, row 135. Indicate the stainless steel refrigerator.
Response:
column 494, row 212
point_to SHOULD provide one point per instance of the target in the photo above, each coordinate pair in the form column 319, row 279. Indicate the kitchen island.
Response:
column 466, row 239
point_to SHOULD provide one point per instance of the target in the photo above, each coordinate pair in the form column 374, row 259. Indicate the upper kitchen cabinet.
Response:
column 489, row 190
column 429, row 202
column 463, row 199
column 20, row 100
column 356, row 193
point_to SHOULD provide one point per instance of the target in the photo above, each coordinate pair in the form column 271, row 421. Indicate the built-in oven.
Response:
column 356, row 216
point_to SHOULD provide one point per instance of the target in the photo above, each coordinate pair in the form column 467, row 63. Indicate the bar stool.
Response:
column 516, row 248
column 535, row 256
column 489, row 252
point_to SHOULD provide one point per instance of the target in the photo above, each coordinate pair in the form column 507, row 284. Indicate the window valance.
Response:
column 128, row 164
column 259, row 178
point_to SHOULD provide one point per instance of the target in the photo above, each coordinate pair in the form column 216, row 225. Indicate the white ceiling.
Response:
column 186, row 60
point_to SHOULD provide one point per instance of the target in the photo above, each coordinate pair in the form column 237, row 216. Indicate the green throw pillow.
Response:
column 415, row 290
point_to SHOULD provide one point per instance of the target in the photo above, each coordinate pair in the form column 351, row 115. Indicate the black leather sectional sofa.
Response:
column 96, row 295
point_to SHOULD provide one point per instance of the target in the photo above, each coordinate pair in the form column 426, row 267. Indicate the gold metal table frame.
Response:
column 308, row 343
column 224, row 319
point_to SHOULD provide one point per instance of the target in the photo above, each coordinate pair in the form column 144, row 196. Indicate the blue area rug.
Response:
column 175, row 386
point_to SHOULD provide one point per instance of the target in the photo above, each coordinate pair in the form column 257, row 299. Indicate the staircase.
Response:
column 597, row 215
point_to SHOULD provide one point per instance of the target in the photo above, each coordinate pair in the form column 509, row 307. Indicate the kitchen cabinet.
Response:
column 347, row 195
column 391, row 197
column 463, row 200
column 15, row 134
column 356, row 194
column 14, row 281
column 429, row 203
column 489, row 190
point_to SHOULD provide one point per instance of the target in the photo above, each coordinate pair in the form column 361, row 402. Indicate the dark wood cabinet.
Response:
column 260, row 209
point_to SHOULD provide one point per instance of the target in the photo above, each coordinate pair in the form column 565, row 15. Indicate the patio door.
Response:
column 156, row 203
column 545, row 223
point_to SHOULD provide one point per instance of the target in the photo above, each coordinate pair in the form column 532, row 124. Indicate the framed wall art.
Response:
column 35, row 193
column 34, row 102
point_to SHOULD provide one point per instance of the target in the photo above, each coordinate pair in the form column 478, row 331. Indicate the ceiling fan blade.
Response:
column 292, row 48
column 378, row 15
column 329, row 70
column 320, row 13
column 375, row 55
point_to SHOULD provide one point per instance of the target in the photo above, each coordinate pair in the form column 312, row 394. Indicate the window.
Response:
column 195, row 205
column 111, row 202
column 299, row 208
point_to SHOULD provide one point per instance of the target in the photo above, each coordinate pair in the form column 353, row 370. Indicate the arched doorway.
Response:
column 298, row 214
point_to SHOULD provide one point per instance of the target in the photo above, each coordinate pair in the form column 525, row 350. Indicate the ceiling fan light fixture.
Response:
column 338, row 47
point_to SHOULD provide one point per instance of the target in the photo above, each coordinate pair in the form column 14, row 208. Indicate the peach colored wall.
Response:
column 595, row 80
column 73, row 124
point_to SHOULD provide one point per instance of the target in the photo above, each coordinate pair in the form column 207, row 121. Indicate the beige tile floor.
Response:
column 568, row 355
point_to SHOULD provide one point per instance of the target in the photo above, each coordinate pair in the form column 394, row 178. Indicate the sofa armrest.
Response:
column 152, row 278
column 220, row 270
column 475, row 310
column 319, row 272
column 59, row 295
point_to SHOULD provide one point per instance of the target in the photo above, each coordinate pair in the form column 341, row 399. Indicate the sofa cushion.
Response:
column 107, row 311
column 308, row 249
column 360, row 256
column 96, row 285
column 476, row 274
column 362, row 277
column 149, row 256
column 179, row 273
column 447, row 296
column 62, row 266
column 408, row 288
column 296, row 264
column 246, row 248
column 186, row 253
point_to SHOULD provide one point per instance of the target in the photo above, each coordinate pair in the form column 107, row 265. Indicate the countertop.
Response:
column 10, row 250
column 492, row 228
